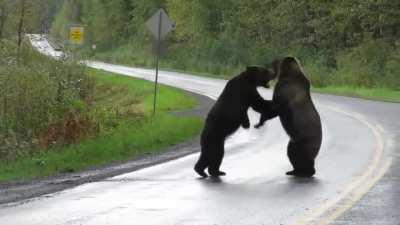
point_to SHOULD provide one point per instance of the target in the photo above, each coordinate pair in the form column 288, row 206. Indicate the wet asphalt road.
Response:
column 361, row 139
column 381, row 205
column 360, row 146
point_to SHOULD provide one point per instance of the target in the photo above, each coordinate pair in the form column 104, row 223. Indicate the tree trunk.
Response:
column 44, row 18
column 20, row 27
column 2, row 19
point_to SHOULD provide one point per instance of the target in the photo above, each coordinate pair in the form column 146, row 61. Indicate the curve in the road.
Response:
column 353, row 192
column 255, row 190
column 330, row 210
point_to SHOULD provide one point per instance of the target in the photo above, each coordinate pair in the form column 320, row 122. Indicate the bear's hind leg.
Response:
column 291, row 148
column 302, row 165
column 216, row 160
column 201, row 165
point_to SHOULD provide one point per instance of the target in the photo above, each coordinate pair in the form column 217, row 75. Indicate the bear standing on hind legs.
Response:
column 229, row 113
column 298, row 116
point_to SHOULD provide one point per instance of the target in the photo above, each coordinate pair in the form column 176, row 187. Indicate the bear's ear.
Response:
column 275, row 65
column 251, row 69
column 290, row 64
column 252, row 74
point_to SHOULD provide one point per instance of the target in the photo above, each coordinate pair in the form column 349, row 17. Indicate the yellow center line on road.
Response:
column 356, row 195
column 332, row 209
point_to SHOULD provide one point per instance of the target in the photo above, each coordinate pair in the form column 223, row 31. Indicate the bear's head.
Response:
column 260, row 76
column 287, row 67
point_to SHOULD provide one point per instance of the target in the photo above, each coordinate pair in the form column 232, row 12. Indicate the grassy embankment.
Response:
column 117, row 123
column 377, row 94
column 350, row 79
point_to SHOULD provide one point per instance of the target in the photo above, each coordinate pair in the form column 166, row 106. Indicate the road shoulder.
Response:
column 17, row 191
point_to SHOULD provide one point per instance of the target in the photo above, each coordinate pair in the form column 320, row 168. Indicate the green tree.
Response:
column 70, row 13
column 107, row 21
column 3, row 16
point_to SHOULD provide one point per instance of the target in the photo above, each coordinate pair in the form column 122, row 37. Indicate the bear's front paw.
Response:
column 258, row 125
column 246, row 124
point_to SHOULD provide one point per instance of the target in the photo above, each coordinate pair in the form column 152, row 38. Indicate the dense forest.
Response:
column 352, row 43
column 340, row 42
column 27, row 16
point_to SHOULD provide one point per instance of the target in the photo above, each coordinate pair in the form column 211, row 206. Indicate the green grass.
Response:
column 140, row 90
column 121, row 56
column 130, row 134
column 378, row 94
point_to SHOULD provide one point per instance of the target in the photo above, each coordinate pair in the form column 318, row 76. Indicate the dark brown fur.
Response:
column 298, row 116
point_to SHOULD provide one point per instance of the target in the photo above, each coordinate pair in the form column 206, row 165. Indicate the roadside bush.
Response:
column 35, row 93
column 372, row 64
column 392, row 71
column 318, row 73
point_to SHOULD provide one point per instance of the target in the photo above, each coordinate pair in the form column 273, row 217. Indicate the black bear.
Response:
column 229, row 113
column 299, row 118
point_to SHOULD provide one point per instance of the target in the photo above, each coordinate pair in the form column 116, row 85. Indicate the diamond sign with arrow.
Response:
column 159, row 25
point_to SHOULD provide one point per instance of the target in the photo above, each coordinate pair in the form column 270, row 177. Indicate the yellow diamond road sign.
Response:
column 76, row 35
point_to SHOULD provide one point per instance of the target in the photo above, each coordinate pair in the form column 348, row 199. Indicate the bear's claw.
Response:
column 299, row 174
column 217, row 174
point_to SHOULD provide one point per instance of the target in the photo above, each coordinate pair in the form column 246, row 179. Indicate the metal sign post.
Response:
column 157, row 56
column 159, row 25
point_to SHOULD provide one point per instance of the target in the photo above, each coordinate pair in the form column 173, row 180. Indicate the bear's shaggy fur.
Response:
column 298, row 116
column 229, row 113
